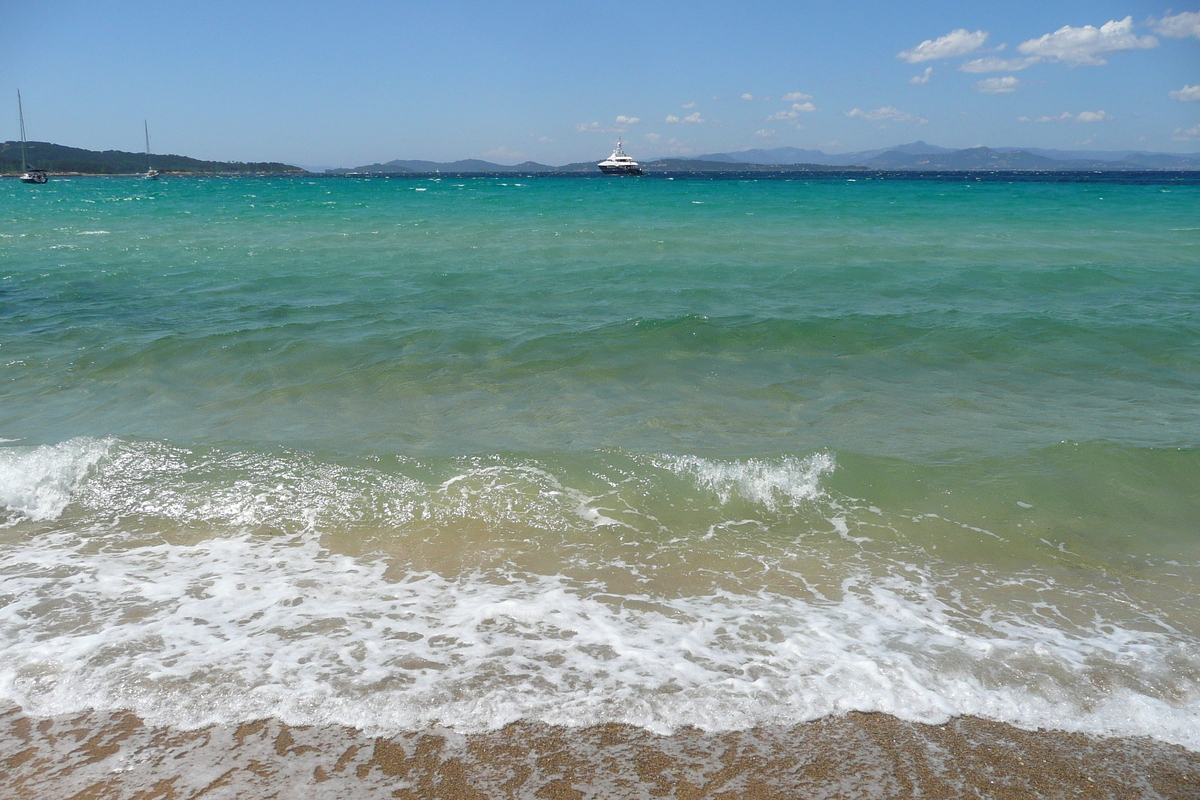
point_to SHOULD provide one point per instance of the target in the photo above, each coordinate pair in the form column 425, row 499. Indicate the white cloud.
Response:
column 688, row 105
column 694, row 118
column 1067, row 116
column 1085, row 46
column 1182, row 135
column 792, row 97
column 653, row 138
column 1180, row 25
column 956, row 43
column 1003, row 85
column 994, row 64
column 596, row 127
column 886, row 114
column 765, row 133
column 921, row 80
column 545, row 140
column 793, row 112
column 1188, row 94
column 747, row 96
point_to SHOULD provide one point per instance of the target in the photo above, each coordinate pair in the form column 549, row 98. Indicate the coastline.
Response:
column 858, row 755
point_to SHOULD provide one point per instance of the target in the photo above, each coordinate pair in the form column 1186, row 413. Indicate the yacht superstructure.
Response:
column 619, row 163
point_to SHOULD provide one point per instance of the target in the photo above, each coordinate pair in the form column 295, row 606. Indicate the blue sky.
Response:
column 343, row 84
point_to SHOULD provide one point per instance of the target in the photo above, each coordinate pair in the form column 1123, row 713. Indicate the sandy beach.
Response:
column 116, row 755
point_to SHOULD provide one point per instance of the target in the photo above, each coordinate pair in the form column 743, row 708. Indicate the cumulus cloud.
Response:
column 886, row 114
column 1067, row 116
column 747, row 96
column 1182, row 135
column 1188, row 94
column 795, row 97
column 792, row 113
column 653, row 138
column 997, row 85
column 765, row 133
column 688, row 105
column 956, row 43
column 1086, row 46
column 595, row 127
column 694, row 118
column 921, row 80
column 1180, row 25
column 996, row 64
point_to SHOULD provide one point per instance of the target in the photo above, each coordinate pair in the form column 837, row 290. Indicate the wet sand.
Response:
column 116, row 755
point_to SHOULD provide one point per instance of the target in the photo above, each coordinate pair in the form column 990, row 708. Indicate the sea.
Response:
column 677, row 454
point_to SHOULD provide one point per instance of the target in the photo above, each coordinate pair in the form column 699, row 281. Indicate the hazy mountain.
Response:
column 794, row 155
column 972, row 158
column 707, row 165
column 1159, row 161
column 778, row 155
column 400, row 166
column 923, row 156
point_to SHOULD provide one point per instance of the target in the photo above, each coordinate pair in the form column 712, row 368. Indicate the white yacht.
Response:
column 619, row 163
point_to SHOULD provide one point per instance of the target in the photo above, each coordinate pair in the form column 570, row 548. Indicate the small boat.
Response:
column 28, row 174
column 619, row 163
column 151, row 173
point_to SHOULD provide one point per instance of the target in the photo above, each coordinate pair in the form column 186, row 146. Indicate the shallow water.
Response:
column 401, row 453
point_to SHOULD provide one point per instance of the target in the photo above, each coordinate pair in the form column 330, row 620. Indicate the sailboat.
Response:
column 151, row 173
column 28, row 174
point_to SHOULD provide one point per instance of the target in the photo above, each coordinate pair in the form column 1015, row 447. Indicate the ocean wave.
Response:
column 786, row 481
column 200, row 585
column 38, row 483
column 236, row 629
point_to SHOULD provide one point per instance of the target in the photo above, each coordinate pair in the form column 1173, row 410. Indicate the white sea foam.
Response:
column 37, row 482
column 237, row 622
column 772, row 483
column 241, row 628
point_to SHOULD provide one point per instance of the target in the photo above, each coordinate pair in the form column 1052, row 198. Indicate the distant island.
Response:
column 914, row 157
column 57, row 158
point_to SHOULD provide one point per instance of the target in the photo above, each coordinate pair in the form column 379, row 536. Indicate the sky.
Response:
column 357, row 82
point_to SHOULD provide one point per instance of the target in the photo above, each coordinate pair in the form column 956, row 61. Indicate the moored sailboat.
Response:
column 28, row 174
column 151, row 173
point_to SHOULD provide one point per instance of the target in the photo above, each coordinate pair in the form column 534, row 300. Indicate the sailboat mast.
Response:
column 21, row 111
column 146, row 125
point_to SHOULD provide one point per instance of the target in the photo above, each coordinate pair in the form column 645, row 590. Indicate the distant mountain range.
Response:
column 701, row 164
column 922, row 156
column 59, row 158
column 915, row 156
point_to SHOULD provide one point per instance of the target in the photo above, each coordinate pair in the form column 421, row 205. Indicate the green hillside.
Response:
column 59, row 158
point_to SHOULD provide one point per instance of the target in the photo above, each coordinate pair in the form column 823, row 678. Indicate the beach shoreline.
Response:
column 857, row 755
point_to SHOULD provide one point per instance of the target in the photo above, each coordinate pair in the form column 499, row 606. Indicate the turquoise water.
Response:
column 393, row 453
